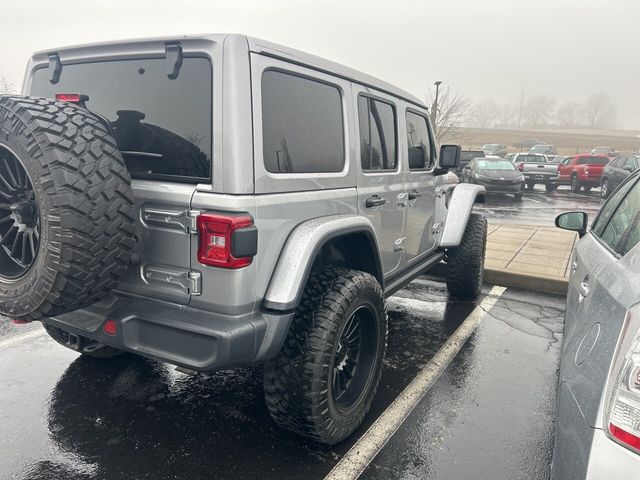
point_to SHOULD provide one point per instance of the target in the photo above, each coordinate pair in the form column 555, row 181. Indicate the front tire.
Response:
column 466, row 261
column 323, row 381
column 575, row 184
column 605, row 189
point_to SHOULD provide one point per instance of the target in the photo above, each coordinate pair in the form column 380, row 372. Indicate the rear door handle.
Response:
column 413, row 194
column 375, row 201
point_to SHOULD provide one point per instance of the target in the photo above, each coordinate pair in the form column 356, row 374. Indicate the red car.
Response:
column 583, row 170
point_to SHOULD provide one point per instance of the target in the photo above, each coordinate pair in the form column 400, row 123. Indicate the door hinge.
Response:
column 190, row 281
column 184, row 220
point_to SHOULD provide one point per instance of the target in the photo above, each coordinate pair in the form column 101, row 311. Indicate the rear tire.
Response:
column 587, row 188
column 530, row 185
column 605, row 189
column 550, row 187
column 575, row 184
column 84, row 346
column 466, row 261
column 304, row 384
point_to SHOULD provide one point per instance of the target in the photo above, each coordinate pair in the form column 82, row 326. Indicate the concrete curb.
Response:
column 534, row 283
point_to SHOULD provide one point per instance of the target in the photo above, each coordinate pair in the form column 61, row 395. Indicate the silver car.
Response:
column 598, row 407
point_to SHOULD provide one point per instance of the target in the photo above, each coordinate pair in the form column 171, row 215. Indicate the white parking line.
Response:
column 367, row 447
column 21, row 338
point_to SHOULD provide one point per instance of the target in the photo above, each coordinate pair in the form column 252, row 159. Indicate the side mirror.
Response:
column 627, row 168
column 449, row 158
column 574, row 221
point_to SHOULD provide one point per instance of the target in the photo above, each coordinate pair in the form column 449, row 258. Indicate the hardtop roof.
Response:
column 253, row 44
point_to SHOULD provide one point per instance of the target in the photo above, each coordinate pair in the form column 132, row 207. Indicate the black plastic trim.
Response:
column 244, row 242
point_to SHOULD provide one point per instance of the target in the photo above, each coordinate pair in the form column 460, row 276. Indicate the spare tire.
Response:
column 66, row 208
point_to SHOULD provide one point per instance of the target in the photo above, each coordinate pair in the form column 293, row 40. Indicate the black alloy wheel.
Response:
column 19, row 218
column 354, row 358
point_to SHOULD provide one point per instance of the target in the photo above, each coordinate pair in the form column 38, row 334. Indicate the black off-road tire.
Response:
column 465, row 262
column 84, row 204
column 86, row 346
column 298, row 382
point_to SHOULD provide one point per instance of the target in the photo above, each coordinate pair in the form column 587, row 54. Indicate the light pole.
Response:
column 434, row 107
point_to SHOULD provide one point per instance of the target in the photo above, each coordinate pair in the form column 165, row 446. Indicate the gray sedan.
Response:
column 598, row 407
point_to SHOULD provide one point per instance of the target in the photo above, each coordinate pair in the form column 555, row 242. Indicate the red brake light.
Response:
column 216, row 239
column 110, row 327
column 68, row 97
column 625, row 437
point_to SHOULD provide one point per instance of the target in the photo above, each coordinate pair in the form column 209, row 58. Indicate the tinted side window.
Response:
column 162, row 125
column 582, row 161
column 419, row 142
column 302, row 125
column 378, row 142
column 618, row 215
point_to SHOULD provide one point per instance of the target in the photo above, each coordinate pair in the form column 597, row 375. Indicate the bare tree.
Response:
column 569, row 114
column 453, row 110
column 484, row 114
column 6, row 87
column 508, row 115
column 599, row 111
column 538, row 110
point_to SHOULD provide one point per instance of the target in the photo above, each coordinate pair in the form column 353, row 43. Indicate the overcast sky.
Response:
column 486, row 49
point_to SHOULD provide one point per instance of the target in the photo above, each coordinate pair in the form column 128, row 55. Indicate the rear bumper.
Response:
column 188, row 337
column 532, row 177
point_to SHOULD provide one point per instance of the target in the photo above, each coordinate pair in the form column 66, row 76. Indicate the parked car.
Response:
column 582, row 171
column 616, row 171
column 496, row 175
column 168, row 265
column 466, row 156
column 536, row 170
column 597, row 431
column 544, row 149
column 608, row 151
column 497, row 149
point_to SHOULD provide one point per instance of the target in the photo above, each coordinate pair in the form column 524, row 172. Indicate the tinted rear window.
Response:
column 531, row 159
column 593, row 161
column 302, row 125
column 162, row 126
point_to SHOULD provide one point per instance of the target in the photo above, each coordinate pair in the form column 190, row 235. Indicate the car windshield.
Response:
column 494, row 165
column 489, row 146
column 470, row 155
column 600, row 150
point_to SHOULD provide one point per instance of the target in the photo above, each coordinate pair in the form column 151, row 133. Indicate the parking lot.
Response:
column 71, row 417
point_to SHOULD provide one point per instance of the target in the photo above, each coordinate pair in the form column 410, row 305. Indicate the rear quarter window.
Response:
column 302, row 125
column 162, row 126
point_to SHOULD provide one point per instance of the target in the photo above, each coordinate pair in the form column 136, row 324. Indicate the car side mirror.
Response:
column 627, row 168
column 449, row 158
column 574, row 221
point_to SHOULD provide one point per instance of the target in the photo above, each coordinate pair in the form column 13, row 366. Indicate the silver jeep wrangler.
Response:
column 215, row 201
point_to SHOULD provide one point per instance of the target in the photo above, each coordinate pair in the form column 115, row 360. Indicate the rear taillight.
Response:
column 623, row 412
column 226, row 241
column 520, row 166
column 586, row 170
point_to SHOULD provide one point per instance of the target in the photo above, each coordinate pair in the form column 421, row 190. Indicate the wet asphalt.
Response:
column 539, row 207
column 489, row 415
